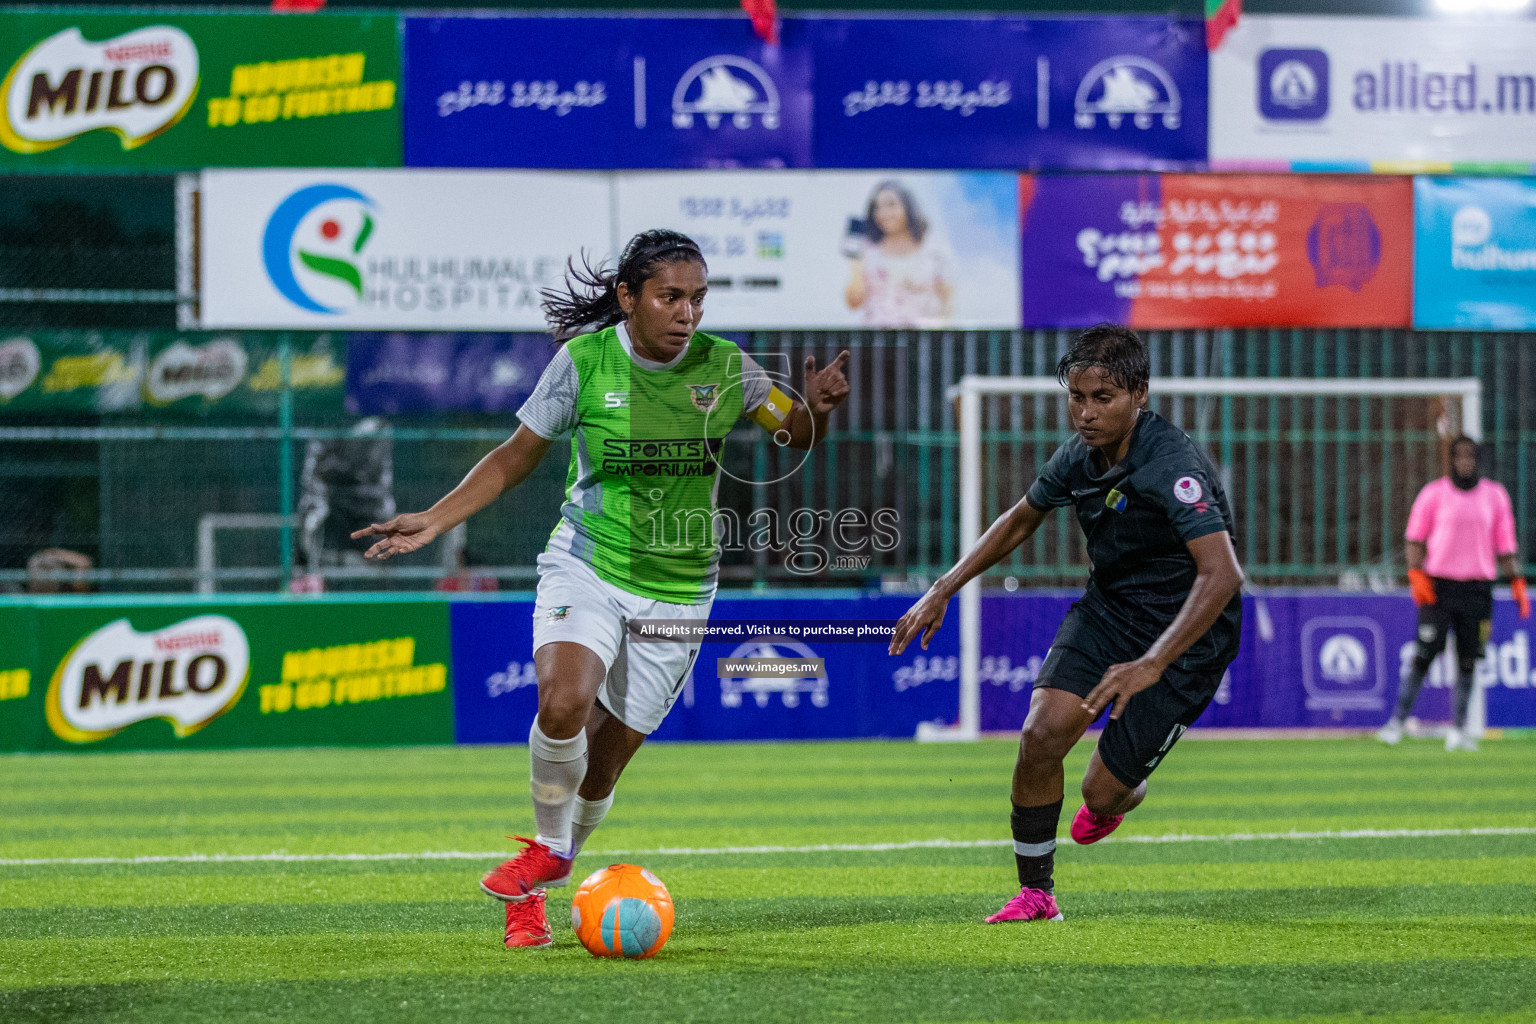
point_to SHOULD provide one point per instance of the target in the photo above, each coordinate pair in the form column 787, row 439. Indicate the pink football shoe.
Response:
column 1088, row 827
column 1028, row 905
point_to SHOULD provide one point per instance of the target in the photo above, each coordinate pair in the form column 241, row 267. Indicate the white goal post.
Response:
column 972, row 389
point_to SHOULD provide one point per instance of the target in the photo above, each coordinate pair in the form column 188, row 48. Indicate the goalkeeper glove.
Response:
column 1517, row 590
column 1420, row 588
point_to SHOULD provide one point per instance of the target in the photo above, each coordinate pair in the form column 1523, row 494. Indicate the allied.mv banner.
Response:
column 841, row 249
column 1216, row 250
column 1389, row 94
column 393, row 250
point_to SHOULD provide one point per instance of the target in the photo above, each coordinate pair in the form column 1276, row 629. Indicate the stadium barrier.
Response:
column 84, row 674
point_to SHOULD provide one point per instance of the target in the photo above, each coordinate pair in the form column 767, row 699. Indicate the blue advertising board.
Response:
column 405, row 373
column 1474, row 263
column 1307, row 660
column 865, row 692
column 605, row 93
column 1089, row 93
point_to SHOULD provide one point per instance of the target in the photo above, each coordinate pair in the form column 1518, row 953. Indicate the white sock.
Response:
column 557, row 768
column 586, row 815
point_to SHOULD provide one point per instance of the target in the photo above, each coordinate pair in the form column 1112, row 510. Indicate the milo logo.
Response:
column 137, row 85
column 188, row 674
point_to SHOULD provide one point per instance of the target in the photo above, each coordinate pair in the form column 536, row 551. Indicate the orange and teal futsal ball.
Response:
column 622, row 910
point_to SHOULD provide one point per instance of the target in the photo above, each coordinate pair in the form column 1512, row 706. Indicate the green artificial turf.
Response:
column 1337, row 929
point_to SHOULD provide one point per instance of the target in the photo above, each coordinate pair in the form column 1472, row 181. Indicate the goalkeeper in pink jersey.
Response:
column 1461, row 533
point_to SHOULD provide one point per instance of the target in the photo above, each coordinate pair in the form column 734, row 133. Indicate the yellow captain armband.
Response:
column 774, row 411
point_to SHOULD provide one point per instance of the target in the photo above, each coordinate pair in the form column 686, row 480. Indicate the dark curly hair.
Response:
column 590, row 299
column 1113, row 348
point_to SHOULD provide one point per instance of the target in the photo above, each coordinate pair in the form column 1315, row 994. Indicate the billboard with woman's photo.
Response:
column 842, row 249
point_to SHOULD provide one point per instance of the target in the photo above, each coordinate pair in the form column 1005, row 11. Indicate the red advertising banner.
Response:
column 1181, row 250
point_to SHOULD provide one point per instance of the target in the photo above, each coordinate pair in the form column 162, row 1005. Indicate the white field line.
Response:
column 281, row 857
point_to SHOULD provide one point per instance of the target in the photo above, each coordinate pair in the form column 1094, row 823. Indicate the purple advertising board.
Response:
column 405, row 373
column 1084, row 93
column 605, row 93
column 1308, row 660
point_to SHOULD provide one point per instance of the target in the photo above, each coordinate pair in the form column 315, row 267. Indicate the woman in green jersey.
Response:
column 647, row 400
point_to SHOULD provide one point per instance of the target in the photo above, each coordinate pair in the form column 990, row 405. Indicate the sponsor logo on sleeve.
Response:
column 188, row 674
column 1187, row 489
column 137, row 85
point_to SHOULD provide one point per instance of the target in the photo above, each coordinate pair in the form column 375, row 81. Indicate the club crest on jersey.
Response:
column 705, row 396
column 1115, row 501
column 1187, row 489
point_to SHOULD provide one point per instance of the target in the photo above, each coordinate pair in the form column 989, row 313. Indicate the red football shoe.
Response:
column 1028, row 905
column 535, row 868
column 526, row 924
column 1088, row 827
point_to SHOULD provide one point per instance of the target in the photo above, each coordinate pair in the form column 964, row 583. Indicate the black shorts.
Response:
column 1136, row 742
column 1463, row 607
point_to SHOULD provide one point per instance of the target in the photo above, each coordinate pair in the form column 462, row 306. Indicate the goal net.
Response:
column 1320, row 474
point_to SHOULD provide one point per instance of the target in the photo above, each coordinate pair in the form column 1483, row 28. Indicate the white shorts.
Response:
column 575, row 606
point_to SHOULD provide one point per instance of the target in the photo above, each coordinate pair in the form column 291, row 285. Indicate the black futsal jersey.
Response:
column 1138, row 518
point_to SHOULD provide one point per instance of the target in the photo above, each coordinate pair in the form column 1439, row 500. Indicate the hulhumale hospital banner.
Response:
column 169, row 90
column 1201, row 251
column 1474, row 254
column 401, row 250
column 841, row 249
column 1374, row 93
column 605, row 93
column 1106, row 93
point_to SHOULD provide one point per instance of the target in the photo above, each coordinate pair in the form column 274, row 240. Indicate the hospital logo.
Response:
column 312, row 246
column 136, row 85
column 1128, row 86
column 705, row 396
column 725, row 86
column 1293, row 84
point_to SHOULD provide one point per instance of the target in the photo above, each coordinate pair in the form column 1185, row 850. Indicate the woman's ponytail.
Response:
column 590, row 298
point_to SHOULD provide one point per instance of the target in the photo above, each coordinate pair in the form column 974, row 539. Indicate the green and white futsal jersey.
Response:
column 645, row 446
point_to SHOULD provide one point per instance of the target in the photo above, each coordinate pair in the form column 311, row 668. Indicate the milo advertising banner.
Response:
column 179, row 373
column 168, row 90
column 270, row 674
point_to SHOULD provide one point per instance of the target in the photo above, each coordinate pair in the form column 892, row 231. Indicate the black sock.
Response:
column 1410, row 691
column 1034, row 843
column 1464, row 684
